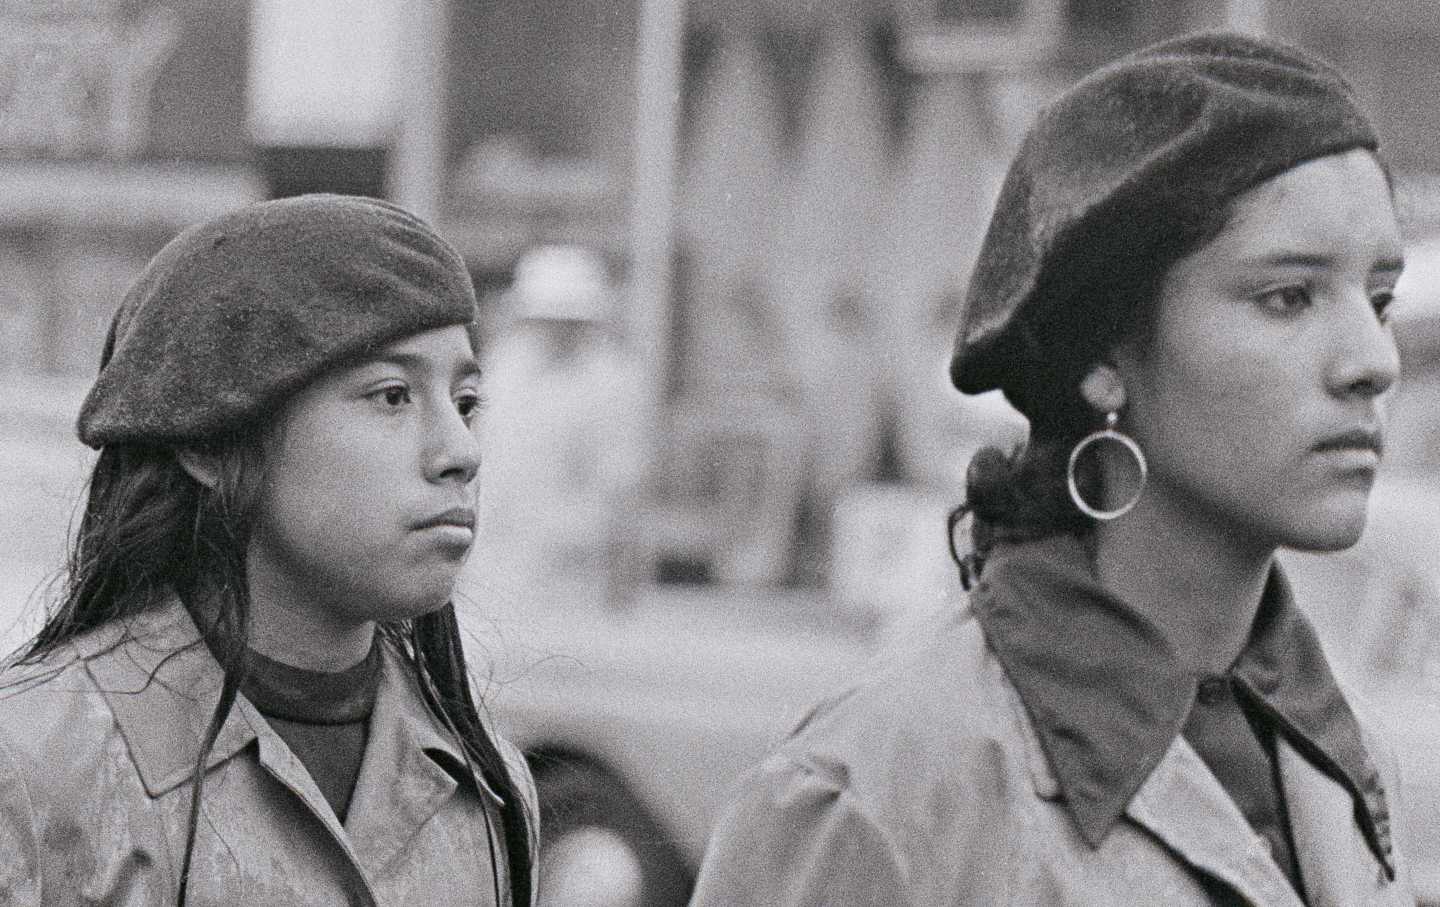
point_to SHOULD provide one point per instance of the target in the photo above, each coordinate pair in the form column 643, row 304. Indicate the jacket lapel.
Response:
column 284, row 766
column 1337, row 866
column 404, row 779
column 1183, row 805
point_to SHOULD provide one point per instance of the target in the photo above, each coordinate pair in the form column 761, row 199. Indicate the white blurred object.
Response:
column 943, row 430
column 564, row 434
column 562, row 283
column 1418, row 290
column 990, row 420
column 1249, row 16
column 591, row 867
column 324, row 72
column 890, row 559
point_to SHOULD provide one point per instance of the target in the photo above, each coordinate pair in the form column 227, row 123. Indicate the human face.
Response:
column 368, row 508
column 1258, row 395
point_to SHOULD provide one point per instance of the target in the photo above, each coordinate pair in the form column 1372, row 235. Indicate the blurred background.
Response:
column 721, row 247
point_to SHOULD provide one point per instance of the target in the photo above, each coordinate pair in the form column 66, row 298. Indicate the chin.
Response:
column 1330, row 530
column 416, row 601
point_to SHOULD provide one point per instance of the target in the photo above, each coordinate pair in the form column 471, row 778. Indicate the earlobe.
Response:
column 1103, row 389
column 200, row 466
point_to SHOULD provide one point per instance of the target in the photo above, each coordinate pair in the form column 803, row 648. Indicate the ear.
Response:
column 200, row 466
column 1103, row 389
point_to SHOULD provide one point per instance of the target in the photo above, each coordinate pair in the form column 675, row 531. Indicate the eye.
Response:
column 468, row 403
column 1381, row 302
column 1286, row 300
column 391, row 396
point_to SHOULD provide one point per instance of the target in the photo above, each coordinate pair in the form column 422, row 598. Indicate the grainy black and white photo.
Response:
column 790, row 453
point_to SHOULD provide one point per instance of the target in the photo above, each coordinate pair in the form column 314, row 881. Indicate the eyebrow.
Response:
column 467, row 367
column 1390, row 264
column 1314, row 260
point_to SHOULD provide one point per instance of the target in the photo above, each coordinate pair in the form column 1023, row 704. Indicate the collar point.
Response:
column 1094, row 823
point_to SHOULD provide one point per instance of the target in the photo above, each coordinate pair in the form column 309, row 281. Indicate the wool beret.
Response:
column 234, row 315
column 1181, row 126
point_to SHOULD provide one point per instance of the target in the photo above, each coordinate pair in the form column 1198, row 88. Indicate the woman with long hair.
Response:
column 252, row 689
column 1185, row 288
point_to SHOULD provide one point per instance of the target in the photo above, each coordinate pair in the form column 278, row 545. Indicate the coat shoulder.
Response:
column 934, row 719
column 939, row 688
column 54, row 713
column 44, row 697
column 59, row 748
column 914, row 778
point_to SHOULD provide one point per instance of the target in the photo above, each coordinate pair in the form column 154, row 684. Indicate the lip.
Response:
column 462, row 517
column 1363, row 440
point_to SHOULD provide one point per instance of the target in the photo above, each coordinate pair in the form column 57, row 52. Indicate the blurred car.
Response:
column 638, row 721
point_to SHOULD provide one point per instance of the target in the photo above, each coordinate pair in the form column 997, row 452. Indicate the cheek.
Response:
column 320, row 496
column 1220, row 414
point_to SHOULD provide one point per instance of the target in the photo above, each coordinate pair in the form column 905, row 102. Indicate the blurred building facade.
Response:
column 822, row 180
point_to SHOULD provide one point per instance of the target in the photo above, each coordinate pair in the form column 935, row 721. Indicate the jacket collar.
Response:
column 1108, row 697
column 162, row 684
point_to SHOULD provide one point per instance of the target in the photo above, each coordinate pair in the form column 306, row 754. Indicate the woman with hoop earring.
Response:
column 1185, row 289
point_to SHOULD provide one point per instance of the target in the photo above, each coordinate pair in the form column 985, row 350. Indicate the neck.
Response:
column 285, row 626
column 1200, row 582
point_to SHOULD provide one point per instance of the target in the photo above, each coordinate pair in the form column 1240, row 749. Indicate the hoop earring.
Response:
column 1108, row 433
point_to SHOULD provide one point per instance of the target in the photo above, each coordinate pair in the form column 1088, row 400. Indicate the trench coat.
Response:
column 925, row 784
column 97, row 749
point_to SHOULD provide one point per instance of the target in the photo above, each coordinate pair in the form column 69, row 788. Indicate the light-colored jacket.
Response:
column 96, row 756
column 925, row 784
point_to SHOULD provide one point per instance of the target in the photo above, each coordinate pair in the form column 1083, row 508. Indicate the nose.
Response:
column 454, row 450
column 1367, row 363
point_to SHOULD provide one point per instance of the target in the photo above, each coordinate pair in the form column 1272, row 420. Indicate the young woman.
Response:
column 253, row 689
column 1184, row 288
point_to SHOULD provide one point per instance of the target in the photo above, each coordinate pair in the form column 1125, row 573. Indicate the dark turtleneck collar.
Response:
column 1108, row 695
column 281, row 690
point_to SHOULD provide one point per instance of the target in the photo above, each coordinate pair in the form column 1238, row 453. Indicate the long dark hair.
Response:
column 149, row 531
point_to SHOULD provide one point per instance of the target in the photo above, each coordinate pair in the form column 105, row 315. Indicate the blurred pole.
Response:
column 417, row 154
column 1248, row 16
column 652, row 215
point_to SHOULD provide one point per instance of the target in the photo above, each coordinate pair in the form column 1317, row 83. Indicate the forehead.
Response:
column 442, row 348
column 1337, row 207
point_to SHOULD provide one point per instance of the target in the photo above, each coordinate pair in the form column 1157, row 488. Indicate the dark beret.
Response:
column 1182, row 126
column 234, row 315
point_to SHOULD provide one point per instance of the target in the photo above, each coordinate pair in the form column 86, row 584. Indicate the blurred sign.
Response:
column 972, row 35
column 76, row 77
column 325, row 72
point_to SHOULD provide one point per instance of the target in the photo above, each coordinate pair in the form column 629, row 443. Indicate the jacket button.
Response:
column 1213, row 690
